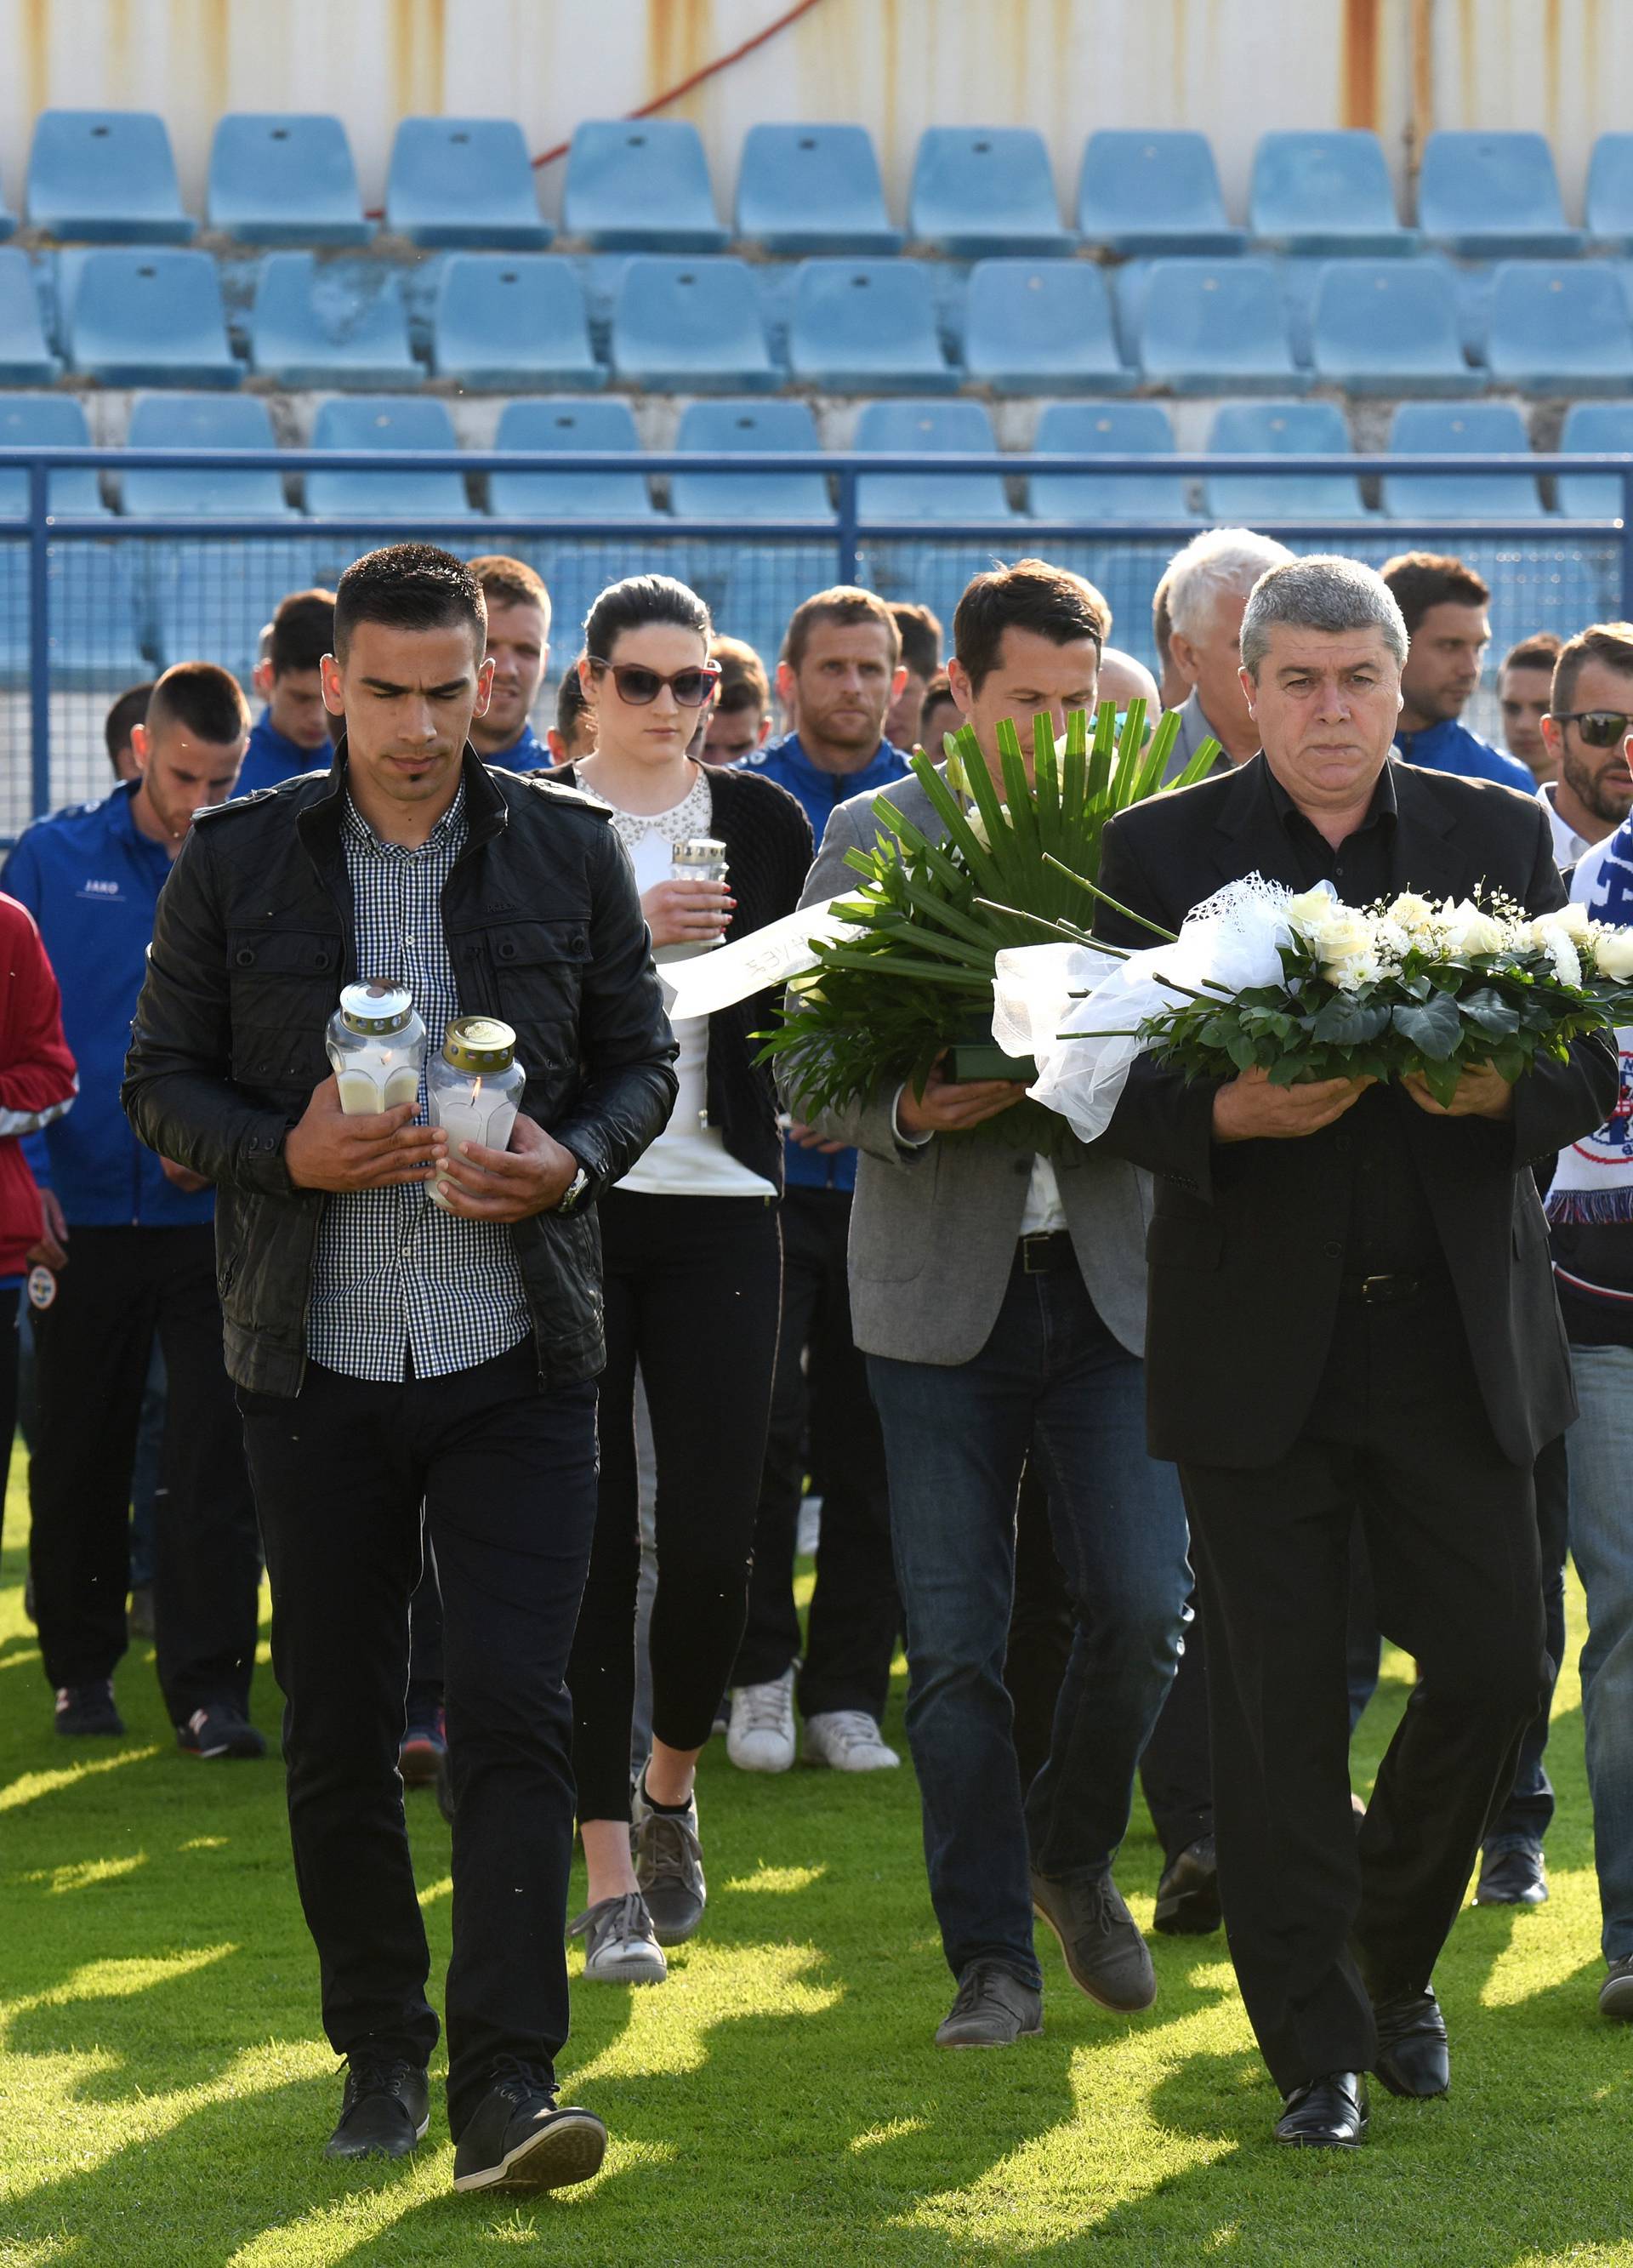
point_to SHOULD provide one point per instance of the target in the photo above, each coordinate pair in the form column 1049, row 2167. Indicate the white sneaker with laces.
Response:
column 761, row 1735
column 849, row 1740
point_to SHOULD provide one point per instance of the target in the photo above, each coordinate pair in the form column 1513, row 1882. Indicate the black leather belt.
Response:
column 1388, row 1291
column 1043, row 1254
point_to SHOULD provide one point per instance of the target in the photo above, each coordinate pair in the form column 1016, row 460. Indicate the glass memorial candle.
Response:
column 700, row 858
column 474, row 1086
column 377, row 1044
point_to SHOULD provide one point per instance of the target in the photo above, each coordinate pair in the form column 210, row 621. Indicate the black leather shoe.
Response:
column 1328, row 2113
column 1187, row 1895
column 1512, row 1875
column 992, row 2008
column 519, row 2138
column 1105, row 1956
column 1412, row 2054
column 384, row 2111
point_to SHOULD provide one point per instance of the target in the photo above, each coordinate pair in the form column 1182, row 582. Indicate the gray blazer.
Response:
column 1193, row 730
column 933, row 1230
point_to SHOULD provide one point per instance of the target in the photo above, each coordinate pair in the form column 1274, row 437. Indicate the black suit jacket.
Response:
column 1246, row 1242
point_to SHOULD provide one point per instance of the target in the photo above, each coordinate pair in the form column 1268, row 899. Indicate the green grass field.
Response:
column 165, row 2091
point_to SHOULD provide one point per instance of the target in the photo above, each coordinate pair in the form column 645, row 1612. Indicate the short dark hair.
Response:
column 409, row 586
column 571, row 706
column 1031, row 595
column 203, row 700
column 303, row 632
column 847, row 604
column 635, row 602
column 743, row 681
column 920, row 636
column 1540, row 651
column 130, row 709
column 1421, row 579
column 507, row 582
column 1611, row 643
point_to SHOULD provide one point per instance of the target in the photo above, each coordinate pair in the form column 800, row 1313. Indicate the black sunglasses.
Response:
column 1600, row 728
column 640, row 687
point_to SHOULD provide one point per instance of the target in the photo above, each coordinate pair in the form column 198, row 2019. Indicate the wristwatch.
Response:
column 572, row 1195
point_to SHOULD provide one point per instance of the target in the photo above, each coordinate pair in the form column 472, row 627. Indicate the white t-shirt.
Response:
column 689, row 1158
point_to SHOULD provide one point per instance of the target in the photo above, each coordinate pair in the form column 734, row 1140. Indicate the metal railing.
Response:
column 850, row 535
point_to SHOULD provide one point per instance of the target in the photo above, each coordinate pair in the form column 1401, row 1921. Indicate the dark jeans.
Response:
column 1051, row 1383
column 506, row 1476
column 820, row 1408
column 1322, row 1919
column 121, row 1286
column 1528, row 1812
column 1040, row 1630
column 692, row 1289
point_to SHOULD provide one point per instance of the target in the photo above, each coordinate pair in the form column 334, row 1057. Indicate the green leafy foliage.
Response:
column 1010, row 868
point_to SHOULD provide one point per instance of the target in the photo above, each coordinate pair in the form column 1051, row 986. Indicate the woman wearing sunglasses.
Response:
column 693, row 1275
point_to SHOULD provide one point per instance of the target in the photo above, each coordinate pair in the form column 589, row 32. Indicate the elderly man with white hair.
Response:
column 1207, row 585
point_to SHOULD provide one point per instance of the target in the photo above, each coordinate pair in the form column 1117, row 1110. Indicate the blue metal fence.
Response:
column 92, row 599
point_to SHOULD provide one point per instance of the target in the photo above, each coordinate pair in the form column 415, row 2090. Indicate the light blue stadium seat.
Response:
column 691, row 326
column 1388, row 327
column 861, row 324
column 1490, row 195
column 25, row 359
column 1217, row 326
column 54, row 421
column 1326, row 193
column 149, row 317
column 1042, row 325
column 285, row 177
column 202, row 421
column 337, row 326
column 740, row 428
column 1291, row 429
column 640, row 185
column 568, row 425
column 385, row 422
column 980, row 189
column 518, row 324
column 463, row 182
column 108, row 176
column 1104, row 429
column 1610, row 201
column 911, row 426
column 1599, row 428
column 802, row 189
column 1559, row 329
column 1157, row 192
column 215, row 598
column 1488, row 428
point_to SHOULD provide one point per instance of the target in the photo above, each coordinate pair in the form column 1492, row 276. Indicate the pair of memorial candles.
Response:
column 377, row 1044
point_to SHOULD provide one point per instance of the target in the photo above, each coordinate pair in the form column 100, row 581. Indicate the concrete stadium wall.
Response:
column 1231, row 67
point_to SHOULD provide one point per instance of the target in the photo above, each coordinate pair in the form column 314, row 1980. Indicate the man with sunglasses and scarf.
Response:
column 398, row 1362
column 1587, row 730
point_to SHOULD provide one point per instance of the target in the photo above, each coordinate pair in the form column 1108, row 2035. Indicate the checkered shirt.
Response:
column 396, row 1277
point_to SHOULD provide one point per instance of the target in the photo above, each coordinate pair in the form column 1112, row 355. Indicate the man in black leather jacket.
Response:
column 389, row 1352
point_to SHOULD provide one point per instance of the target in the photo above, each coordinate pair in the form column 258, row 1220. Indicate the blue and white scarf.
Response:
column 1593, row 1180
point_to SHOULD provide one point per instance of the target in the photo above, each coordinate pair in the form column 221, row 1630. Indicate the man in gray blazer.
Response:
column 999, row 1299
column 1206, row 585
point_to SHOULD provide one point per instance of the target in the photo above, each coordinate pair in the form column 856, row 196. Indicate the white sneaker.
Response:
column 809, row 1532
column 620, row 1948
column 761, row 1735
column 848, row 1740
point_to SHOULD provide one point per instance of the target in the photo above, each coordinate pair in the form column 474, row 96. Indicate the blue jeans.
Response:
column 1599, row 1446
column 1052, row 1383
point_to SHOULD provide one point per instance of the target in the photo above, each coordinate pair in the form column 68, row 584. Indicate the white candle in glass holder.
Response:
column 377, row 1045
column 473, row 1087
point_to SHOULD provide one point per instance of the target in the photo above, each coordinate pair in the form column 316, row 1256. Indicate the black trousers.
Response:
column 506, row 1475
column 92, row 1346
column 822, row 1417
column 692, row 1290
column 11, row 1348
column 1322, row 1921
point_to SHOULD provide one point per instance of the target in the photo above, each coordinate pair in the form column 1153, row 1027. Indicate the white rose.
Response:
column 1309, row 913
column 1466, row 930
column 1613, row 953
column 1574, row 919
column 1344, row 946
column 1411, row 911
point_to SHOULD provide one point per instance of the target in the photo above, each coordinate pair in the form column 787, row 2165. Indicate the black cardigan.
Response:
column 768, row 852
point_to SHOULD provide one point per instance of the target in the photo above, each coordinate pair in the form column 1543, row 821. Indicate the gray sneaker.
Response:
column 992, row 2008
column 668, row 1867
column 619, row 1946
column 1105, row 1956
column 1615, row 1994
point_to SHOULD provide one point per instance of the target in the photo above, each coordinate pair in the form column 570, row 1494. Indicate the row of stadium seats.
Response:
column 289, row 178
column 1291, row 429
column 522, row 322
